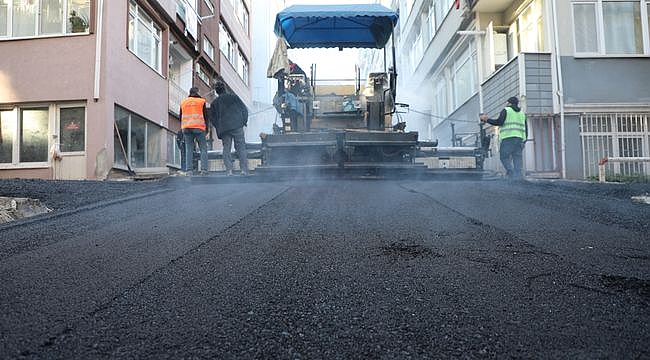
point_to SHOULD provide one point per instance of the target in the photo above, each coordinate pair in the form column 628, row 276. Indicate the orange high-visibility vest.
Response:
column 192, row 113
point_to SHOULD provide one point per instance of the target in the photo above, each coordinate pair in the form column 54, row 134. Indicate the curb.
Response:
column 54, row 214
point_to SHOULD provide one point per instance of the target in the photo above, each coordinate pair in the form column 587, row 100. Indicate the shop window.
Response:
column 138, row 141
column 121, row 136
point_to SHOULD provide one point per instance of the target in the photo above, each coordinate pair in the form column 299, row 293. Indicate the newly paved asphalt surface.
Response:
column 200, row 268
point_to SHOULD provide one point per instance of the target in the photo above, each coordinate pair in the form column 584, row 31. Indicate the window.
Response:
column 144, row 37
column 24, row 132
column 408, row 5
column 464, row 77
column 210, row 6
column 585, row 29
column 7, row 133
column 242, row 15
column 208, row 48
column 137, row 140
column 418, row 48
column 610, row 27
column 24, row 135
column 439, row 106
column 29, row 18
column 622, row 25
column 242, row 67
column 441, row 9
column 531, row 28
column 202, row 74
column 72, row 129
column 226, row 44
column 33, row 135
column 173, row 152
column 241, row 12
column 432, row 21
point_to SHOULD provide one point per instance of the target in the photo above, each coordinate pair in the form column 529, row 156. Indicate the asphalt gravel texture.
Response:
column 331, row 270
column 62, row 195
column 67, row 195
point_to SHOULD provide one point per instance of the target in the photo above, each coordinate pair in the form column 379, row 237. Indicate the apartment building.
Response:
column 579, row 67
column 90, row 89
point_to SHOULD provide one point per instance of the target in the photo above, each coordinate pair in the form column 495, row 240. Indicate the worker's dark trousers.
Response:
column 227, row 139
column 510, row 153
column 199, row 135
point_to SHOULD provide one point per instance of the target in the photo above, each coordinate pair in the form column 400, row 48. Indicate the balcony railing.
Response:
column 176, row 95
column 529, row 75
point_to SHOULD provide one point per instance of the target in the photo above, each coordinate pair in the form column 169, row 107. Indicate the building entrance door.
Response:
column 542, row 153
column 70, row 164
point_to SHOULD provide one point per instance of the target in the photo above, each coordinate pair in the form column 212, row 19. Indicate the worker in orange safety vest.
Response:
column 194, row 119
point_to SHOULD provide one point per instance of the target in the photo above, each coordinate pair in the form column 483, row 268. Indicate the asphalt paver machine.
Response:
column 336, row 127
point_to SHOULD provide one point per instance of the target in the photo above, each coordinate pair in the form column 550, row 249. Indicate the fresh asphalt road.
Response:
column 347, row 269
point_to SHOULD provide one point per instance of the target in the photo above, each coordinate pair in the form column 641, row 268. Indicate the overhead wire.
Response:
column 439, row 117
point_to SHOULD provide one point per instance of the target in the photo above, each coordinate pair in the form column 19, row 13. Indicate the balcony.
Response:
column 530, row 76
column 180, row 75
column 489, row 6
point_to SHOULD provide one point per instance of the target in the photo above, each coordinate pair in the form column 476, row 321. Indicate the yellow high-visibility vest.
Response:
column 514, row 126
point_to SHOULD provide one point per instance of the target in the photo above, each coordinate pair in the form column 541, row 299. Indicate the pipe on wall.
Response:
column 98, row 48
column 560, row 88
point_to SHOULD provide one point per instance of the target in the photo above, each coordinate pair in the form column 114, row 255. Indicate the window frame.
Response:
column 210, row 5
column 64, row 30
column 226, row 40
column 132, row 35
column 531, row 22
column 53, row 134
column 200, row 72
column 208, row 48
column 242, row 66
column 85, row 127
column 13, row 121
column 601, row 50
column 465, row 63
column 138, row 128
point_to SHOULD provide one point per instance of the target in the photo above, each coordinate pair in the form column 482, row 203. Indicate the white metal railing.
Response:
column 615, row 145
column 176, row 95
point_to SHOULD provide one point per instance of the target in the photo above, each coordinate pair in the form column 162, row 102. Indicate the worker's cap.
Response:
column 194, row 90
column 513, row 100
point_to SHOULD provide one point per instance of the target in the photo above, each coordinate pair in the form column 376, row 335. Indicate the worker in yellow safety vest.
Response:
column 194, row 120
column 513, row 133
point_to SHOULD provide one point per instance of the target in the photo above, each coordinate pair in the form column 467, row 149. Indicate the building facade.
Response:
column 91, row 89
column 579, row 68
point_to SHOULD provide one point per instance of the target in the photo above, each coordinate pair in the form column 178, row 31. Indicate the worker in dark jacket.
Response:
column 513, row 133
column 229, row 115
